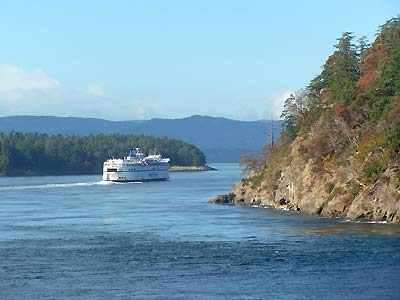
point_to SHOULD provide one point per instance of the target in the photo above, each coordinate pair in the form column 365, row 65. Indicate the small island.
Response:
column 192, row 168
column 24, row 154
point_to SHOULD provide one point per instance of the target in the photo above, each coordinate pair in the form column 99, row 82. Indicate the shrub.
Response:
column 329, row 186
column 372, row 172
column 254, row 180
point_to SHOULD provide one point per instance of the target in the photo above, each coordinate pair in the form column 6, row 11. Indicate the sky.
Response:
column 128, row 60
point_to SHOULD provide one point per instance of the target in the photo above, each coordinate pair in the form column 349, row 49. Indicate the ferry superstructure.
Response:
column 136, row 167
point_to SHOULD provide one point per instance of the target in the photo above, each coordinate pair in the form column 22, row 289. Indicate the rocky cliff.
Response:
column 339, row 152
column 334, row 194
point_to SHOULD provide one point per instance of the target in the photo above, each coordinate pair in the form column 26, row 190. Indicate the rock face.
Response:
column 328, row 194
column 223, row 199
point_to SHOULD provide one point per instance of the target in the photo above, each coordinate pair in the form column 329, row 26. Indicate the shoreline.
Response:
column 234, row 198
column 191, row 168
column 29, row 173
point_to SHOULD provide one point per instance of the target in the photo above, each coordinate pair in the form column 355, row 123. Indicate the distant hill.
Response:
column 221, row 139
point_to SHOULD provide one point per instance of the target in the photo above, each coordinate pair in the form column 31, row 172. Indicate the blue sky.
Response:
column 124, row 60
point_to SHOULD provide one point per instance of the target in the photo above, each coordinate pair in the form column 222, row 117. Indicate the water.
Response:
column 73, row 237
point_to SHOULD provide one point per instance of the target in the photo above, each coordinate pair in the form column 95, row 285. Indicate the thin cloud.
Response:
column 261, row 107
column 95, row 90
column 15, row 78
column 275, row 103
column 34, row 92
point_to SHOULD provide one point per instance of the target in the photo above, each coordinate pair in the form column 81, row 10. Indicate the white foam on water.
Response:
column 363, row 222
column 104, row 182
column 377, row 222
column 60, row 185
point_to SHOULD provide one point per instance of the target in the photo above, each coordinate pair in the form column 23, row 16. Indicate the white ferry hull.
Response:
column 136, row 167
column 142, row 173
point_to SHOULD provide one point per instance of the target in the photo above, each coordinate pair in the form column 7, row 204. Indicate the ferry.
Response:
column 136, row 167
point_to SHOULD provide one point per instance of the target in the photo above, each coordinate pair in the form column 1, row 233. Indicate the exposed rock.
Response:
column 223, row 199
column 283, row 201
column 301, row 189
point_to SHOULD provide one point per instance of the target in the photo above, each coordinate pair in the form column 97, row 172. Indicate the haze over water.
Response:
column 73, row 237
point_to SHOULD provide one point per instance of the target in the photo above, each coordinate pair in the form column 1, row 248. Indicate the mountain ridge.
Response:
column 221, row 139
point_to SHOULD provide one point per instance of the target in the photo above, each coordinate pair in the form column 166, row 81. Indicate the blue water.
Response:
column 73, row 237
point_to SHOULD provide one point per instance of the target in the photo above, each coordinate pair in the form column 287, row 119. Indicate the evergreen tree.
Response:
column 342, row 70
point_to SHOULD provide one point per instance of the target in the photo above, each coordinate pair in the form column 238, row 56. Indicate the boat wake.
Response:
column 61, row 185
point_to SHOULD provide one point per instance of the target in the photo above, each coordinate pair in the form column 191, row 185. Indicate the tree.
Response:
column 363, row 48
column 252, row 164
column 342, row 70
column 294, row 113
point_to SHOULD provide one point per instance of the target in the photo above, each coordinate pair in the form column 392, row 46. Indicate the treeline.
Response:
column 352, row 109
column 32, row 153
column 359, row 83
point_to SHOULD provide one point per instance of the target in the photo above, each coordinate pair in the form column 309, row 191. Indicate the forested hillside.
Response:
column 339, row 152
column 31, row 153
column 220, row 139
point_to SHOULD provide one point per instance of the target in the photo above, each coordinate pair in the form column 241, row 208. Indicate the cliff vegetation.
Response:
column 339, row 150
